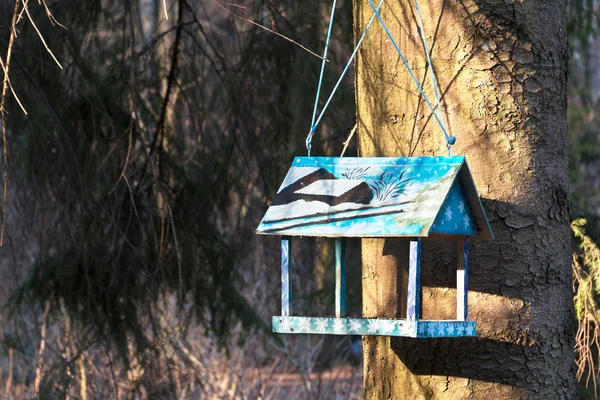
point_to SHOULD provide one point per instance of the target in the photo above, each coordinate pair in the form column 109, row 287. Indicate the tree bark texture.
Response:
column 502, row 69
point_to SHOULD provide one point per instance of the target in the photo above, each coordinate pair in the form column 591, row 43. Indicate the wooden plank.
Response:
column 462, row 278
column 340, row 278
column 286, row 285
column 414, row 281
column 374, row 327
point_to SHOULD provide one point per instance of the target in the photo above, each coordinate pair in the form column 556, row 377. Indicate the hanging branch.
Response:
column 19, row 9
column 5, row 85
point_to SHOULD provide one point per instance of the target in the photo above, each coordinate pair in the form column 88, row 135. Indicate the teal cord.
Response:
column 312, row 124
column 450, row 140
column 412, row 75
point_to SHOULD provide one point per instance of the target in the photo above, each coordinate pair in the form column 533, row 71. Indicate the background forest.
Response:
column 142, row 153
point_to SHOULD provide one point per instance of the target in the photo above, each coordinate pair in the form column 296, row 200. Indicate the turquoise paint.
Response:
column 340, row 277
column 366, row 197
column 286, row 288
column 373, row 327
column 375, row 197
column 455, row 217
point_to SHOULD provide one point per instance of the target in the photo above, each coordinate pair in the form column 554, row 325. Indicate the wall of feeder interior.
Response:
column 411, row 325
column 443, row 268
column 330, row 269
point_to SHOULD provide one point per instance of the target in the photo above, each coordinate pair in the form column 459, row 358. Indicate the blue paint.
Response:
column 286, row 288
column 377, row 197
column 344, row 326
column 414, row 281
column 340, row 278
column 455, row 217
column 354, row 161
column 446, row 329
column 366, row 197
column 373, row 327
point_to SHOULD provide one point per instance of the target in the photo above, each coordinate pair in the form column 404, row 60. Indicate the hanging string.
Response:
column 312, row 124
column 348, row 64
column 450, row 140
column 412, row 75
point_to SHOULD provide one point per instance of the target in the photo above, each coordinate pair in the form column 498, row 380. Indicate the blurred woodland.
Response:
column 144, row 141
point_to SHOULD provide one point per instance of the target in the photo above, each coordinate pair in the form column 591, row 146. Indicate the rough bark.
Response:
column 502, row 70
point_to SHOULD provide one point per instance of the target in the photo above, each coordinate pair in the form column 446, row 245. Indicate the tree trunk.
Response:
column 502, row 68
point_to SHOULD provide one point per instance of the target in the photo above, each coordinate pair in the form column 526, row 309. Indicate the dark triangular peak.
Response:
column 367, row 197
column 323, row 186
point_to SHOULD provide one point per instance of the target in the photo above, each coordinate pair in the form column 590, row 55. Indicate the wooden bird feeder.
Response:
column 417, row 198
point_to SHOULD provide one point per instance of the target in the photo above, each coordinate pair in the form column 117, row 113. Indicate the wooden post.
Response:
column 462, row 279
column 286, row 285
column 340, row 278
column 414, row 281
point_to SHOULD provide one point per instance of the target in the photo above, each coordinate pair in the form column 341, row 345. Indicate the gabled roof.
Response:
column 376, row 197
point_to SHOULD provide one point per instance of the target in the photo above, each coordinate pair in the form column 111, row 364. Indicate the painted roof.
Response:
column 377, row 197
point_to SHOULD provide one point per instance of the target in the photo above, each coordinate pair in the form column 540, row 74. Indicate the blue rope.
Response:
column 450, row 140
column 312, row 131
column 315, row 124
column 412, row 75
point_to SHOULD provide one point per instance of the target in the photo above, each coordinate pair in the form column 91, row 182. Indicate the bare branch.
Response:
column 41, row 37
column 10, row 86
column 5, row 84
column 347, row 142
column 50, row 16
column 268, row 30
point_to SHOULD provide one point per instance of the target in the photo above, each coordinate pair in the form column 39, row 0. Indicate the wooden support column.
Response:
column 462, row 279
column 414, row 281
column 286, row 285
column 340, row 278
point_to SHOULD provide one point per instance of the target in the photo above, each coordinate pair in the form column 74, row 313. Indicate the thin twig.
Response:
column 232, row 5
column 267, row 29
column 25, row 3
column 9, row 378
column 347, row 142
column 126, row 160
column 178, row 252
column 41, row 37
column 38, row 371
column 50, row 16
column 165, row 9
column 5, row 84
column 10, row 86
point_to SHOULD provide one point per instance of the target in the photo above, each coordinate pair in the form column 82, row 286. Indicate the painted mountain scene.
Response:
column 330, row 196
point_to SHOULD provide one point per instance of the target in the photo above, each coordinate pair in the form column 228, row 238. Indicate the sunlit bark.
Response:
column 502, row 70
